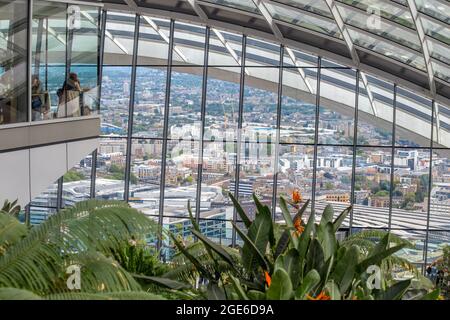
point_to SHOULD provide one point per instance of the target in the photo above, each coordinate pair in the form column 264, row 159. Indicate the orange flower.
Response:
column 298, row 227
column 296, row 196
column 268, row 278
column 322, row 296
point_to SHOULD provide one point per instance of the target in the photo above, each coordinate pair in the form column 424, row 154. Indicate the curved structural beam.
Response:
column 426, row 55
column 199, row 11
column 351, row 47
column 107, row 33
column 278, row 35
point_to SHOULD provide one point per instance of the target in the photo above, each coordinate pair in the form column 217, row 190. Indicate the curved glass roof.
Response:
column 225, row 54
column 401, row 40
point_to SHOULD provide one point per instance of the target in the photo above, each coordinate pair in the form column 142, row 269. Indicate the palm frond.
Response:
column 37, row 262
column 11, row 231
column 139, row 295
column 17, row 294
column 183, row 269
column 375, row 236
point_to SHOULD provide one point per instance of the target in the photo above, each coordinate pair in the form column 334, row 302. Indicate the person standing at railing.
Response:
column 36, row 98
column 69, row 97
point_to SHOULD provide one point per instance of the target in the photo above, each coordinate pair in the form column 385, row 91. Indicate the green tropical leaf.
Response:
column 315, row 256
column 11, row 231
column 291, row 263
column 327, row 215
column 164, row 282
column 215, row 247
column 240, row 211
column 238, row 288
column 191, row 217
column 289, row 222
column 345, row 268
column 341, row 218
column 310, row 281
column 17, row 294
column 259, row 234
column 281, row 286
column 255, row 253
column 283, row 241
column 396, row 291
column 214, row 292
column 305, row 237
column 205, row 273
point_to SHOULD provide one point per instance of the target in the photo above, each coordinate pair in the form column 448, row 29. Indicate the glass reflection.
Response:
column 13, row 61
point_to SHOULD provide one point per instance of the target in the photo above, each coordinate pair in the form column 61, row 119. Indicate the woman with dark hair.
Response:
column 36, row 99
column 69, row 97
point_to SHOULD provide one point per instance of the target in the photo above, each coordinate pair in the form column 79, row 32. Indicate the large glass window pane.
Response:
column 115, row 100
column 440, row 190
column 218, row 175
column 375, row 116
column 222, row 105
column 334, row 177
column 372, row 187
column 83, row 59
column 120, row 39
column 189, row 44
column 413, row 120
column 13, row 61
column 410, row 188
column 225, row 48
column 261, row 53
column 145, row 177
column 295, row 172
column 181, row 176
column 185, row 103
column 65, row 57
column 148, row 117
column 77, row 182
column 110, row 179
column 337, row 106
column 257, row 168
column 153, row 48
column 298, row 106
column 260, row 105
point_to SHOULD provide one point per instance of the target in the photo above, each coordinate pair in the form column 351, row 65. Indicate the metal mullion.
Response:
column 126, row 195
column 101, row 56
column 278, row 128
column 102, row 28
column 239, row 133
column 165, row 131
column 27, row 215
column 316, row 133
column 46, row 53
column 391, row 186
column 29, row 58
column 93, row 173
column 430, row 185
column 39, row 35
column 202, row 129
column 59, row 192
column 355, row 139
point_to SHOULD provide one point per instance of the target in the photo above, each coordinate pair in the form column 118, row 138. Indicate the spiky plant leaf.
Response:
column 11, row 231
column 17, row 294
column 240, row 211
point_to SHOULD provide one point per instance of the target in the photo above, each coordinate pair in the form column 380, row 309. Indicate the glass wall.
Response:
column 192, row 113
column 65, row 47
column 13, row 61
